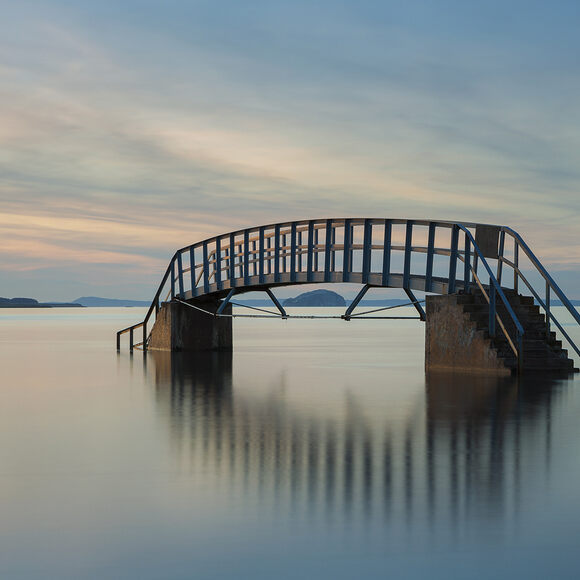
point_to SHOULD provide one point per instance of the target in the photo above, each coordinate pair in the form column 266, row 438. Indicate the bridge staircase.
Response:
column 542, row 351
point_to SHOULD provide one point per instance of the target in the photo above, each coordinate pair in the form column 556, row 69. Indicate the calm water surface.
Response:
column 318, row 450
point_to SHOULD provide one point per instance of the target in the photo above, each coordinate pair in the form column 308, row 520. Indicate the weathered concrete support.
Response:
column 181, row 328
column 453, row 342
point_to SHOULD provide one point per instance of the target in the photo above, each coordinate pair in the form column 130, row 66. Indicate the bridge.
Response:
column 472, row 275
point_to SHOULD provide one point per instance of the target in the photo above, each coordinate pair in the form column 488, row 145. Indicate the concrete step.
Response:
column 542, row 350
column 531, row 342
column 467, row 315
column 564, row 365
column 540, row 364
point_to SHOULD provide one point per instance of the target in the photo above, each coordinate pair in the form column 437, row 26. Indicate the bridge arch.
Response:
column 440, row 257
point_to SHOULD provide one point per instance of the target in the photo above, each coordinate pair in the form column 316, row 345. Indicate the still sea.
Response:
column 318, row 449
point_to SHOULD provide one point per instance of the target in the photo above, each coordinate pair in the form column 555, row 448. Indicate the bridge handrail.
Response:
column 550, row 284
column 153, row 307
column 495, row 288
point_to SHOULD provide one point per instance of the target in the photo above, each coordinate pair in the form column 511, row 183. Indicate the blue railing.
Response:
column 550, row 286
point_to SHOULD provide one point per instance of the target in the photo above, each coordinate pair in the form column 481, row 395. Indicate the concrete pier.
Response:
column 454, row 343
column 179, row 327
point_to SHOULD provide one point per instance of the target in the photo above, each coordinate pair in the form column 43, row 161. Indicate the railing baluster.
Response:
column 277, row 253
column 227, row 261
column 205, row 269
column 500, row 256
column 269, row 253
column 430, row 253
column 180, row 274
column 232, row 263
column 218, row 263
column 408, row 246
column 367, row 243
column 293, row 253
column 192, row 269
column 467, row 265
column 327, row 250
column 172, row 279
column 253, row 258
column 351, row 249
column 246, row 258
column 346, row 263
column 310, row 254
column 453, row 259
column 333, row 251
column 316, row 250
column 261, row 256
column 300, row 248
column 387, row 252
column 241, row 259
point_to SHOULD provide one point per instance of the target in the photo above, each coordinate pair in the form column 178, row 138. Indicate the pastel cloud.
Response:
column 129, row 129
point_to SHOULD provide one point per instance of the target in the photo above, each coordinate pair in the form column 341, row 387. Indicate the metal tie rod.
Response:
column 388, row 308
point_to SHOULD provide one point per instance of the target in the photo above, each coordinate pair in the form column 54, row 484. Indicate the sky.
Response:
column 130, row 129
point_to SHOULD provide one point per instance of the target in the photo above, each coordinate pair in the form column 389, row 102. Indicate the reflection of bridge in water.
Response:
column 466, row 453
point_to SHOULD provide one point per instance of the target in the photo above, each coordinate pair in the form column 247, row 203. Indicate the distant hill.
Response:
column 32, row 303
column 316, row 298
column 95, row 301
column 87, row 301
column 370, row 303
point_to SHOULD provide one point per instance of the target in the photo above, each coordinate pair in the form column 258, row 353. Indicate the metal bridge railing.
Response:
column 535, row 266
column 494, row 288
column 410, row 254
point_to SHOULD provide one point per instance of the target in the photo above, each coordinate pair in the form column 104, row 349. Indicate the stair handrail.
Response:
column 154, row 307
column 495, row 288
column 550, row 283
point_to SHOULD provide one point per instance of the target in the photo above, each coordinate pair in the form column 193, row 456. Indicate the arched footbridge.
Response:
column 499, row 287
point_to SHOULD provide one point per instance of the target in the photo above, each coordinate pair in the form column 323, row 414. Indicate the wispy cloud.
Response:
column 127, row 133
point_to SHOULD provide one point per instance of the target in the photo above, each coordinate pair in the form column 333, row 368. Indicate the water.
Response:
column 319, row 449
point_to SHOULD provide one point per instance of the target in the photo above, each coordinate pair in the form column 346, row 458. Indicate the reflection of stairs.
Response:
column 542, row 351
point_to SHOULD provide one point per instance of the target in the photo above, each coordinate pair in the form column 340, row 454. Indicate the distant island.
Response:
column 85, row 301
column 92, row 301
column 316, row 298
column 32, row 303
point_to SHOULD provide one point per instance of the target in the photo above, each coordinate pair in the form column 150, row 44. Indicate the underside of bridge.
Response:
column 477, row 318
